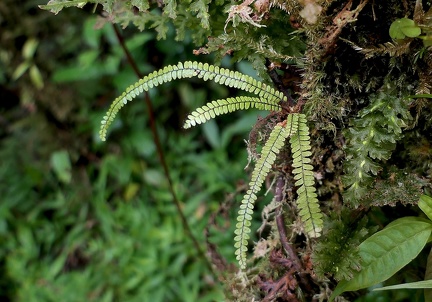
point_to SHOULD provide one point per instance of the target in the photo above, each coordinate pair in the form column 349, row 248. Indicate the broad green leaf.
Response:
column 411, row 31
column 402, row 28
column 386, row 252
column 425, row 204
column 411, row 285
column 406, row 220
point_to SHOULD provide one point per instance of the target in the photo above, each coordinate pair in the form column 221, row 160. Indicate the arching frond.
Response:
column 223, row 106
column 307, row 201
column 271, row 148
column 205, row 71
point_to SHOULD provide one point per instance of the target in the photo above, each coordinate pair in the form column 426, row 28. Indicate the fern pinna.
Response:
column 266, row 98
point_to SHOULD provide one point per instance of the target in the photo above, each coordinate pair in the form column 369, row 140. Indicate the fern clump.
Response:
column 266, row 98
column 372, row 138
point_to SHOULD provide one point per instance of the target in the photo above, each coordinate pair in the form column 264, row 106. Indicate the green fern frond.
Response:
column 189, row 69
column 307, row 201
column 337, row 252
column 219, row 107
column 371, row 139
column 271, row 148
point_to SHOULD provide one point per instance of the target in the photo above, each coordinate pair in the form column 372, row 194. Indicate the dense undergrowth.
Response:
column 87, row 221
column 83, row 221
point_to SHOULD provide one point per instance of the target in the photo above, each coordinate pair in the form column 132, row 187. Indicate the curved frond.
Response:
column 223, row 106
column 263, row 165
column 189, row 69
column 307, row 201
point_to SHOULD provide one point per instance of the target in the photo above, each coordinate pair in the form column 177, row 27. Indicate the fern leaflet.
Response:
column 307, row 201
column 269, row 151
column 219, row 107
column 188, row 70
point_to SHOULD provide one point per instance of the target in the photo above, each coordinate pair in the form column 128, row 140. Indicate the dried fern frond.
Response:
column 394, row 49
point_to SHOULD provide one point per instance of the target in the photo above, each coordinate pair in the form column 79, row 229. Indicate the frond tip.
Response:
column 307, row 201
column 189, row 69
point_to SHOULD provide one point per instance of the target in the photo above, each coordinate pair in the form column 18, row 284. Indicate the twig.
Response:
column 161, row 155
column 278, row 83
column 288, row 247
column 344, row 17
column 279, row 194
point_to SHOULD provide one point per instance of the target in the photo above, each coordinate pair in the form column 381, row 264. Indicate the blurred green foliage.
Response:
column 85, row 221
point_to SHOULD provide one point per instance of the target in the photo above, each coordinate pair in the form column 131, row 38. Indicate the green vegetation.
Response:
column 150, row 215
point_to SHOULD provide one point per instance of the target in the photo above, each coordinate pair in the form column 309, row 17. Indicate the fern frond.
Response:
column 188, row 70
column 307, row 201
column 271, row 148
column 371, row 139
column 338, row 253
column 223, row 106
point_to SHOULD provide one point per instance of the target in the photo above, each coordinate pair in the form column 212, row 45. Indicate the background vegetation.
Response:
column 86, row 221
column 82, row 220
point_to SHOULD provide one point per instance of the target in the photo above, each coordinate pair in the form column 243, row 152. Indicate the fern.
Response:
column 372, row 138
column 337, row 252
column 307, row 201
column 267, row 99
column 188, row 70
column 218, row 107
column 271, row 148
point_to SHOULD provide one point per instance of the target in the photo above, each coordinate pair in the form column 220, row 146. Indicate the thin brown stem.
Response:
column 161, row 154
column 289, row 249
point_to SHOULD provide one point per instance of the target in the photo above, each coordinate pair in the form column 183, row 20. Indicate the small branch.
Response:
column 289, row 249
column 344, row 17
column 278, row 83
column 161, row 155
